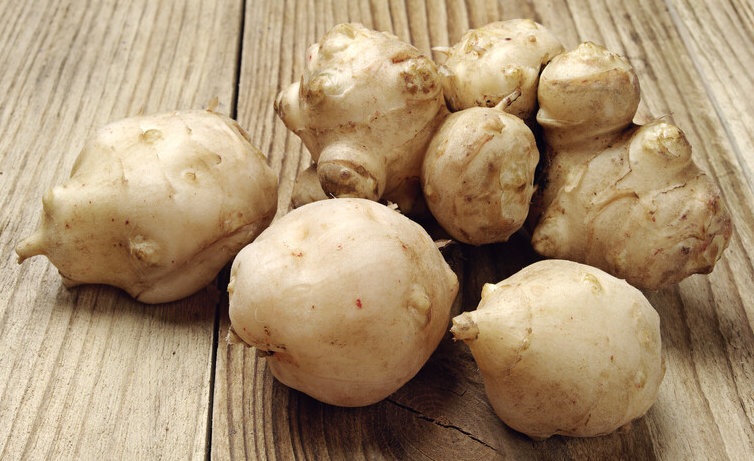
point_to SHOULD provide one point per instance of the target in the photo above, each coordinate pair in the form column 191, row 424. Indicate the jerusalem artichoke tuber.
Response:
column 156, row 205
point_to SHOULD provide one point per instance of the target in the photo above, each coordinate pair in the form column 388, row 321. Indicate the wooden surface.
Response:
column 90, row 374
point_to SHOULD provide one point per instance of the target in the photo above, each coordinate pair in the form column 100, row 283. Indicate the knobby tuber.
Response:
column 493, row 61
column 625, row 198
column 365, row 108
column 156, row 205
column 565, row 348
column 346, row 298
column 478, row 175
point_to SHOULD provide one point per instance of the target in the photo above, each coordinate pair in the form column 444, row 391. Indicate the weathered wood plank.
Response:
column 88, row 373
column 723, row 61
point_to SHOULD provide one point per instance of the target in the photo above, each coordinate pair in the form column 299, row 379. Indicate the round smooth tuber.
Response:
column 565, row 348
column 586, row 95
column 365, row 108
column 622, row 197
column 478, row 175
column 346, row 298
column 156, row 205
column 493, row 61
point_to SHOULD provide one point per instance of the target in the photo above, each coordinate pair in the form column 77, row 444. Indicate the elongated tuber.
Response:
column 346, row 298
column 625, row 198
column 565, row 348
column 156, row 205
column 365, row 108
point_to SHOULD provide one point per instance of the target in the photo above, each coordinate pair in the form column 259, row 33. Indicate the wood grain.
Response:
column 88, row 373
column 705, row 407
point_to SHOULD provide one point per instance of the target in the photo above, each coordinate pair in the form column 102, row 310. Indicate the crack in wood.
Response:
column 437, row 422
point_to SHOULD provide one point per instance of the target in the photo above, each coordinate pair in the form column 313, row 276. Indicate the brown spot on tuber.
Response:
column 401, row 57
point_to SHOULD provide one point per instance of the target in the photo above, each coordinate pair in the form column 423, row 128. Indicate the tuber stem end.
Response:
column 464, row 328
column 32, row 245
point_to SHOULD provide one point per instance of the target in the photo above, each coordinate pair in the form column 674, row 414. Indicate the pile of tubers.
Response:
column 346, row 297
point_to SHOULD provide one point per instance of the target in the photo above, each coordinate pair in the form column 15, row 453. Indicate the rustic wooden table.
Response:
column 89, row 373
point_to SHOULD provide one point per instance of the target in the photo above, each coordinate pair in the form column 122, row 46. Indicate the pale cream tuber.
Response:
column 625, row 198
column 493, row 61
column 307, row 188
column 478, row 175
column 365, row 108
column 156, row 205
column 346, row 298
column 565, row 348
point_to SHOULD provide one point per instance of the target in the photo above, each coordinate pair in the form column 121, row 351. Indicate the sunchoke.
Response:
column 156, row 205
column 346, row 298
column 622, row 197
column 564, row 348
column 365, row 108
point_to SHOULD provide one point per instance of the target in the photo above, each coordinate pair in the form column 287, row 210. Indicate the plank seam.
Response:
column 216, row 322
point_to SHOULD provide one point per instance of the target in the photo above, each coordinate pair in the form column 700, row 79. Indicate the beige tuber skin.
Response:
column 478, row 175
column 365, row 108
column 307, row 188
column 346, row 298
column 625, row 198
column 493, row 61
column 565, row 348
column 156, row 205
